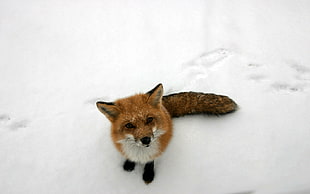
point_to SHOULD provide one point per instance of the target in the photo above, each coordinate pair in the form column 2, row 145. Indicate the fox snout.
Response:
column 144, row 136
column 140, row 140
column 146, row 141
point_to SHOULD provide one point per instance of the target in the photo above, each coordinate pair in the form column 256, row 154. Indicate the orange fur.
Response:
column 135, row 110
column 141, row 124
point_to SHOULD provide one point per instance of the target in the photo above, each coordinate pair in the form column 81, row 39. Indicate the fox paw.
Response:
column 129, row 166
column 148, row 175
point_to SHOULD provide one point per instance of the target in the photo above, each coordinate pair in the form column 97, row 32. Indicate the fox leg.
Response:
column 129, row 165
column 149, row 173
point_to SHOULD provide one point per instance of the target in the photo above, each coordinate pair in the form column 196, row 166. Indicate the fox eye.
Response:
column 129, row 126
column 149, row 120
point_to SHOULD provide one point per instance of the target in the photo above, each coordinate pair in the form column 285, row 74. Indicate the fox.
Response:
column 141, row 124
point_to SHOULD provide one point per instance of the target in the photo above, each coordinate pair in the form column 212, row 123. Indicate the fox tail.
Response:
column 187, row 103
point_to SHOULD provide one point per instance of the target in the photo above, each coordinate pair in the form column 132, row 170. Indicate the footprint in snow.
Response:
column 4, row 118
column 13, row 124
column 256, row 73
column 300, row 76
column 302, row 72
column 19, row 124
column 208, row 59
column 300, row 68
column 286, row 87
column 254, row 65
column 198, row 69
column 257, row 77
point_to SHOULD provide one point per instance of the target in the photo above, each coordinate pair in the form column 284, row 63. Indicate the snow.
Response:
column 58, row 58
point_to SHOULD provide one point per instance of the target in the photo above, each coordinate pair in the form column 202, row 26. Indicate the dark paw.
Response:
column 129, row 166
column 148, row 175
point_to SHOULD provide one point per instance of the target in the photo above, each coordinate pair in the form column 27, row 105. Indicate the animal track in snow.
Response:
column 254, row 65
column 19, row 124
column 280, row 77
column 302, row 72
column 286, row 87
column 199, row 68
column 211, row 69
column 300, row 68
column 299, row 79
column 209, row 58
column 7, row 122
column 257, row 73
column 257, row 77
column 4, row 118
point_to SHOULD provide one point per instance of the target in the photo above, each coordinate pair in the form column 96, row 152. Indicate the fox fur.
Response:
column 141, row 125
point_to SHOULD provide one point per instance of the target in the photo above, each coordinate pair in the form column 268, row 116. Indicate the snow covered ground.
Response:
column 57, row 58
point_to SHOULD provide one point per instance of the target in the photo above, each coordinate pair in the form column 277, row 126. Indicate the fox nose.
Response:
column 146, row 140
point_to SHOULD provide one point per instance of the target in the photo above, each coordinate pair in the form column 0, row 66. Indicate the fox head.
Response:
column 140, row 118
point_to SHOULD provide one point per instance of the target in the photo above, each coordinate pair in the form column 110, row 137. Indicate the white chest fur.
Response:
column 136, row 152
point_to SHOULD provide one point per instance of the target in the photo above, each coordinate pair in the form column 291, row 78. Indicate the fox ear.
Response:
column 155, row 95
column 109, row 109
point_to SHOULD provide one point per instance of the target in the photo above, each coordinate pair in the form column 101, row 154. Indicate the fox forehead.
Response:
column 135, row 107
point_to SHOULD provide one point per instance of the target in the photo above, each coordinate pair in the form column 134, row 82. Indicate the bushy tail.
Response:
column 186, row 103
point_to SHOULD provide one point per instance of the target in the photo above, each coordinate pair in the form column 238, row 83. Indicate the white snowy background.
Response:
column 57, row 58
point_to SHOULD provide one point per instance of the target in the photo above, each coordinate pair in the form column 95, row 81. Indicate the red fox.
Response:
column 142, row 127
